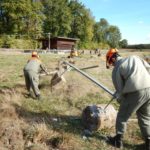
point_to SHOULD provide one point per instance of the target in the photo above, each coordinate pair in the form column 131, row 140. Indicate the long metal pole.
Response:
column 90, row 78
column 89, row 67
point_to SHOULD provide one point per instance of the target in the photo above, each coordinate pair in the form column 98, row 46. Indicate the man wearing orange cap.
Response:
column 131, row 79
column 31, row 72
column 108, row 56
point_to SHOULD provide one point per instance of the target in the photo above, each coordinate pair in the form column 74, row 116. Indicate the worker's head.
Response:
column 35, row 54
column 111, row 57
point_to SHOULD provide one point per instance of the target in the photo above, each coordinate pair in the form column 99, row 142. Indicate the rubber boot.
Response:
column 147, row 144
column 115, row 141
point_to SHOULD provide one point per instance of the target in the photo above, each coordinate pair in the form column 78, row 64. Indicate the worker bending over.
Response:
column 131, row 79
column 31, row 72
column 73, row 52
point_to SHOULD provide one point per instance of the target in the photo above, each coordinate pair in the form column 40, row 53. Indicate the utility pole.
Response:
column 49, row 42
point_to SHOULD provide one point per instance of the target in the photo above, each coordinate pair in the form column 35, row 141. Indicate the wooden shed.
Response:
column 58, row 43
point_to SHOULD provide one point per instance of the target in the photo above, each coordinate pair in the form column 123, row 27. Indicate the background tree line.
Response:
column 24, row 21
column 139, row 46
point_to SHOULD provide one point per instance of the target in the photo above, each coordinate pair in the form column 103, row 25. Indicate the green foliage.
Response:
column 23, row 16
column 12, row 42
column 123, row 43
column 100, row 30
column 1, row 42
column 57, row 20
column 93, row 45
column 86, row 45
column 24, row 44
column 139, row 46
column 82, row 22
column 66, row 18
column 106, row 34
column 103, row 45
column 113, row 36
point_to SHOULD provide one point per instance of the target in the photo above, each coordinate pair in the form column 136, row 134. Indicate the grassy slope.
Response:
column 54, row 121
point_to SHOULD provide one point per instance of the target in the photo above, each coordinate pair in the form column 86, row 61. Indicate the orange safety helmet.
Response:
column 109, row 54
column 35, row 54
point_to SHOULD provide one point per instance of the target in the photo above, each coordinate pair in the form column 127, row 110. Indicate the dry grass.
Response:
column 54, row 122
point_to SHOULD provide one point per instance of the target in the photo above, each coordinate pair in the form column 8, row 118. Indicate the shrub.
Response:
column 12, row 42
column 93, row 45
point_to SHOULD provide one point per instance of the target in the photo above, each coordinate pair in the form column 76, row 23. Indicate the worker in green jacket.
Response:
column 31, row 72
column 131, row 79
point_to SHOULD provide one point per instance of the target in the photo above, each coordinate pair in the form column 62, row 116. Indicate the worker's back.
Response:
column 73, row 53
column 33, row 65
column 135, row 74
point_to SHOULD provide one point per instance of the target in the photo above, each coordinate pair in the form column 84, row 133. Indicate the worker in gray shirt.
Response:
column 31, row 72
column 131, row 79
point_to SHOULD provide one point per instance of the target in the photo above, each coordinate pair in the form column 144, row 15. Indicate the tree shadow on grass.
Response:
column 60, row 123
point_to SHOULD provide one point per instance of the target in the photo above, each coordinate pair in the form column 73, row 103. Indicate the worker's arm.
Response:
column 118, row 80
column 43, row 68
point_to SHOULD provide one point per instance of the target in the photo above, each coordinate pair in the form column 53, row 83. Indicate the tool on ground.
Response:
column 58, row 76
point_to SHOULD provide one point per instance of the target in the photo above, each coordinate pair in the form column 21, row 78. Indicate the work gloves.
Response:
column 107, row 67
column 118, row 97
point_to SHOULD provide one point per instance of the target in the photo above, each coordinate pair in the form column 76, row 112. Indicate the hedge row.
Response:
column 11, row 42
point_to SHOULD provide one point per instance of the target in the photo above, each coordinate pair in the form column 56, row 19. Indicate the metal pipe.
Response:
column 108, row 104
column 89, row 67
column 90, row 78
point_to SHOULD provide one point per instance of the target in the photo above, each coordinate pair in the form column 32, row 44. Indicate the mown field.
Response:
column 55, row 121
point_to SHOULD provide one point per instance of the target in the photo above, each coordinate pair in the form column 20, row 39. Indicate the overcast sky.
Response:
column 131, row 16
